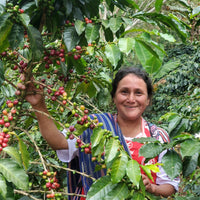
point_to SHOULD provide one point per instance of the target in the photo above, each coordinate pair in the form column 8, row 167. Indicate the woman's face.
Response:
column 131, row 98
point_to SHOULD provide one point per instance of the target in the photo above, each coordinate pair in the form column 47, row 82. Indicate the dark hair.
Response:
column 132, row 70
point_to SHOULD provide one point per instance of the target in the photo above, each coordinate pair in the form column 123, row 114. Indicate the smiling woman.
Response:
column 131, row 92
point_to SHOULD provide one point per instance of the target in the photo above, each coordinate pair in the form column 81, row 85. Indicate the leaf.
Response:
column 91, row 89
column 133, row 172
column 158, row 5
column 79, row 26
column 150, row 150
column 99, row 149
column 25, row 19
column 147, row 171
column 100, row 188
column 16, row 36
column 195, row 12
column 145, row 139
column 70, row 37
column 147, row 56
column 92, row 32
column 166, row 68
column 172, row 164
column 137, row 196
column 113, row 54
column 5, row 28
column 115, row 24
column 2, row 78
column 190, row 164
column 153, row 65
column 36, row 42
column 189, row 148
column 24, row 153
column 13, row 173
column 111, row 149
column 79, row 65
column 174, row 123
column 118, row 168
column 119, row 192
column 14, row 154
column 3, row 187
column 96, row 137
column 126, row 45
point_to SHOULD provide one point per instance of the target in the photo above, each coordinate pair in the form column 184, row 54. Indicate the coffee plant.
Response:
column 70, row 51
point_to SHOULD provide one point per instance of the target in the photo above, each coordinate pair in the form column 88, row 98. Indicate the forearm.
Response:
column 164, row 190
column 48, row 129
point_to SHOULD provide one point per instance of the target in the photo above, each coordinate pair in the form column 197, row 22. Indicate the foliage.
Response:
column 73, row 49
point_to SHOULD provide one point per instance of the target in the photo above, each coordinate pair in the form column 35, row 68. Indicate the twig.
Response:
column 67, row 169
column 26, row 194
column 32, row 140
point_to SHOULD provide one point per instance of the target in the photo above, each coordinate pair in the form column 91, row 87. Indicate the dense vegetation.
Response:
column 73, row 49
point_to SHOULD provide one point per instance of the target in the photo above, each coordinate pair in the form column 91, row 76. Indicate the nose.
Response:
column 131, row 97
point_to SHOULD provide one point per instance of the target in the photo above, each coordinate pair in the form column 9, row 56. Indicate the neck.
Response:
column 130, row 128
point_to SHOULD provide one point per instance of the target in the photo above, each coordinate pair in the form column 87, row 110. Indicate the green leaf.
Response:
column 99, row 149
column 2, row 78
column 118, row 169
column 14, row 154
column 190, row 164
column 158, row 5
column 25, row 19
column 145, row 139
column 113, row 54
column 24, row 153
column 79, row 26
column 36, row 42
column 3, row 187
column 119, row 192
column 5, row 28
column 189, row 148
column 174, row 123
column 97, row 135
column 63, row 68
column 137, row 196
column 147, row 171
column 13, row 173
column 166, row 68
column 100, row 188
column 115, row 24
column 126, row 45
column 153, row 65
column 133, row 172
column 70, row 37
column 195, row 12
column 130, row 3
column 167, row 37
column 172, row 164
column 155, row 148
column 111, row 149
column 79, row 65
column 16, row 36
column 92, row 32
column 91, row 89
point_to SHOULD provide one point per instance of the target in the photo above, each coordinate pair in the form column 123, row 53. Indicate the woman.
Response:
column 131, row 93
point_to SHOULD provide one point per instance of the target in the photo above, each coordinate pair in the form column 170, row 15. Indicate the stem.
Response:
column 26, row 194
column 65, row 168
column 32, row 140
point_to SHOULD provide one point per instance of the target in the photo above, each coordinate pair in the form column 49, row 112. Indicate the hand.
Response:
column 33, row 95
column 148, row 185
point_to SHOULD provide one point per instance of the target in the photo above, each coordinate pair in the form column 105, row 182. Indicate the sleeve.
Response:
column 163, row 178
column 66, row 155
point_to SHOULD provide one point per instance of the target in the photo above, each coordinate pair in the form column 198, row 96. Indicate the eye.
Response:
column 124, row 91
column 139, row 92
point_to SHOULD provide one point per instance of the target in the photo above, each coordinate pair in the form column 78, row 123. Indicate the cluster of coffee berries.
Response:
column 51, row 184
column 13, row 9
column 54, row 54
column 86, row 148
column 88, row 21
column 55, row 94
column 77, row 51
column 6, row 117
column 68, row 23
